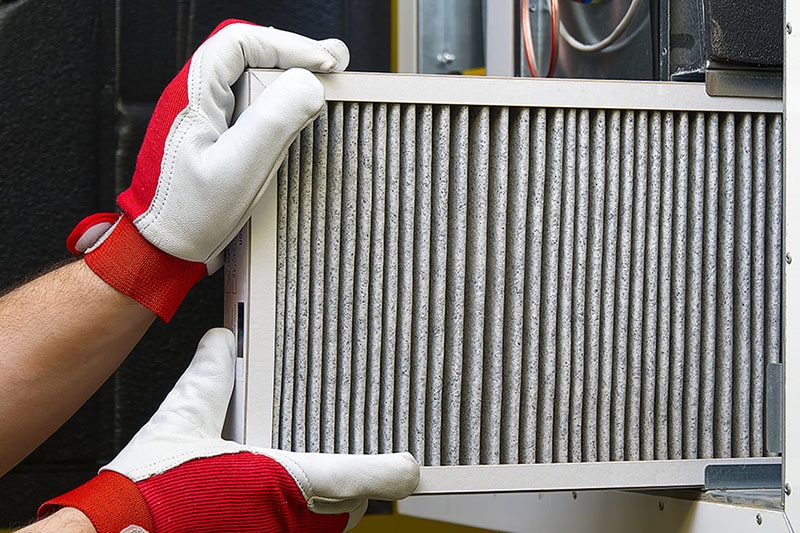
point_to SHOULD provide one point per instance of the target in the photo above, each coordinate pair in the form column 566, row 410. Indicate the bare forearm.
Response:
column 67, row 520
column 63, row 335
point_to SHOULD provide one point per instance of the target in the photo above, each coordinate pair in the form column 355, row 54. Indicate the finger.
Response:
column 196, row 406
column 250, row 151
column 263, row 132
column 189, row 421
column 339, row 51
column 266, row 47
column 334, row 483
column 290, row 49
column 220, row 61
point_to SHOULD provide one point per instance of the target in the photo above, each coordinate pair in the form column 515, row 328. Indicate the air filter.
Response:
column 528, row 284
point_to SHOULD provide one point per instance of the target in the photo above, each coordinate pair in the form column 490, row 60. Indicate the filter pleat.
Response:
column 361, row 281
column 742, row 280
column 304, row 182
column 592, row 388
column 723, row 379
column 405, row 273
column 475, row 286
column 316, row 298
column 533, row 321
column 391, row 255
column 550, row 288
column 758, row 272
column 664, row 299
column 635, row 346
column 606, row 171
column 514, row 363
column 456, row 285
column 421, row 277
column 707, row 397
column 676, row 356
column 278, row 415
column 289, row 351
column 578, row 283
column 495, row 301
column 774, row 248
column 695, row 253
column 622, row 431
column 436, row 356
column 500, row 285
column 377, row 262
column 333, row 232
column 649, row 415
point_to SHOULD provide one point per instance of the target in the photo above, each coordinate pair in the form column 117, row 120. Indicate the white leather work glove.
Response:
column 198, row 178
column 178, row 475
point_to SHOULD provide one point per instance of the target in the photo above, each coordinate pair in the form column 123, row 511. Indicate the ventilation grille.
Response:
column 503, row 285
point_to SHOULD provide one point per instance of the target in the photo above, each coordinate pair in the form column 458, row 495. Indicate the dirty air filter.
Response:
column 576, row 282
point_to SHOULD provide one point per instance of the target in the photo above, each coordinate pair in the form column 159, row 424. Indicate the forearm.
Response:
column 67, row 520
column 63, row 335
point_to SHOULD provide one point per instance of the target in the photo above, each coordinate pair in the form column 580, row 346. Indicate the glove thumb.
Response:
column 334, row 483
column 191, row 416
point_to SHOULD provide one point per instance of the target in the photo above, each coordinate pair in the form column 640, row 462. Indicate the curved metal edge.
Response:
column 665, row 474
column 524, row 92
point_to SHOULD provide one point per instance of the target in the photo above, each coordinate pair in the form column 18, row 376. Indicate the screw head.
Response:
column 660, row 505
column 787, row 489
column 759, row 520
column 788, row 258
column 445, row 58
column 789, row 27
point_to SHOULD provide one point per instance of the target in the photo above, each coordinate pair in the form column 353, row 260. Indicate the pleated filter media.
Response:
column 577, row 283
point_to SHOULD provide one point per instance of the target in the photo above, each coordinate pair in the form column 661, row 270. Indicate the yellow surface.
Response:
column 397, row 523
column 394, row 37
column 478, row 71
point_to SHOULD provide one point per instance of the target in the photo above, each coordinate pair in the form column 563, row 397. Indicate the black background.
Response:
column 78, row 81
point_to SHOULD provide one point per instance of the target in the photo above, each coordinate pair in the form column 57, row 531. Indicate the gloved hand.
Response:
column 197, row 179
column 178, row 475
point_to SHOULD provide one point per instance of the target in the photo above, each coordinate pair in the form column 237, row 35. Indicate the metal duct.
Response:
column 503, row 285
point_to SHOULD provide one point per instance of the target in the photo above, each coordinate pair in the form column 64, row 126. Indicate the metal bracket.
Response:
column 773, row 434
column 743, row 476
column 727, row 80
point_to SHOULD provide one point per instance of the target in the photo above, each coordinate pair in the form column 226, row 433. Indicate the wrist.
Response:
column 66, row 520
column 110, row 501
column 135, row 267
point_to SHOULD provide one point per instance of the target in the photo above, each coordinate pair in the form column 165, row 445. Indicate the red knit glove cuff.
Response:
column 129, row 263
column 110, row 501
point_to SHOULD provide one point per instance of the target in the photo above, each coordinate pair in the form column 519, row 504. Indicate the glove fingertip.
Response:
column 296, row 97
column 408, row 475
column 338, row 52
column 221, row 339
column 305, row 79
